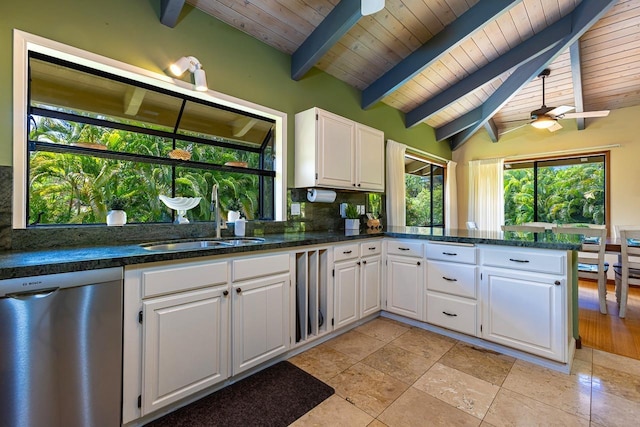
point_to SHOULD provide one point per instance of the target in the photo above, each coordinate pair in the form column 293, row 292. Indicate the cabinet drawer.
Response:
column 399, row 247
column 164, row 280
column 249, row 268
column 342, row 252
column 455, row 253
column 452, row 313
column 538, row 260
column 371, row 248
column 452, row 278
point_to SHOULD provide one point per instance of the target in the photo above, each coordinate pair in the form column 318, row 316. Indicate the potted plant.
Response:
column 353, row 217
column 233, row 210
column 116, row 214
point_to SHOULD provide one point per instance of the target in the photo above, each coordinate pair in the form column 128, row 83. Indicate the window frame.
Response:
column 607, row 175
column 24, row 43
column 411, row 154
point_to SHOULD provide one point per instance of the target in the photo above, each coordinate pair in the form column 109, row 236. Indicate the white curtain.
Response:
column 396, row 208
column 451, row 196
column 486, row 193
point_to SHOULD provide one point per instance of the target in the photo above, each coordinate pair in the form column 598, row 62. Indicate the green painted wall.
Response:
column 236, row 64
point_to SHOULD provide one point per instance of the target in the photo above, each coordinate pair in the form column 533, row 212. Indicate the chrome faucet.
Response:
column 215, row 209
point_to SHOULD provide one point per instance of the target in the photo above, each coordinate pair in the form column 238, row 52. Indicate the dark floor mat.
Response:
column 276, row 396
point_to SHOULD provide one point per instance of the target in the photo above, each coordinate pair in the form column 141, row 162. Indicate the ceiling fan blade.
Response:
column 585, row 114
column 556, row 126
column 561, row 110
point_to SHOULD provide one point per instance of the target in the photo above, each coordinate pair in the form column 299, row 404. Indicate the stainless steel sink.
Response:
column 240, row 241
column 190, row 245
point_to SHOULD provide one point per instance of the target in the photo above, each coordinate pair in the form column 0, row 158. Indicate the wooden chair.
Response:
column 522, row 227
column 628, row 271
column 591, row 267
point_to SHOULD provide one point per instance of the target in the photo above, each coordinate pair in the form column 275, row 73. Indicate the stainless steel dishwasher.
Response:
column 61, row 349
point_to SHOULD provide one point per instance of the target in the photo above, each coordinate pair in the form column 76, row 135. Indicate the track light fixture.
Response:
column 369, row 7
column 193, row 65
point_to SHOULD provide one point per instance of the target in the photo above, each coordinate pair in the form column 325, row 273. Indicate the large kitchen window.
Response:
column 562, row 190
column 94, row 136
column 424, row 183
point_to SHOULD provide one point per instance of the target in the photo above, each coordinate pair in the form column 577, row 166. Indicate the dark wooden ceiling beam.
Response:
column 492, row 130
column 335, row 25
column 451, row 36
column 576, row 76
column 170, row 12
column 525, row 51
column 583, row 17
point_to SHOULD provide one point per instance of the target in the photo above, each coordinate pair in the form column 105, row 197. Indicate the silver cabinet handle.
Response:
column 450, row 314
column 518, row 260
column 449, row 279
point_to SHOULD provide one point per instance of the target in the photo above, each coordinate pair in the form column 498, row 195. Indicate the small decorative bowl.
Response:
column 180, row 154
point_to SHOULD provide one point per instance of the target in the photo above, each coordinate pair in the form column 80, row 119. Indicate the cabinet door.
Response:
column 370, row 273
column 260, row 320
column 185, row 345
column 346, row 285
column 525, row 311
column 369, row 158
column 336, row 151
column 405, row 286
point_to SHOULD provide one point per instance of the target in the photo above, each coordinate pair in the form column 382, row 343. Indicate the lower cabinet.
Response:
column 346, row 291
column 370, row 279
column 260, row 309
column 405, row 286
column 525, row 311
column 185, row 345
column 260, row 320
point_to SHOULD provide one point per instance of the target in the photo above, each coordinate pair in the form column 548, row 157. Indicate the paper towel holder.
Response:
column 316, row 195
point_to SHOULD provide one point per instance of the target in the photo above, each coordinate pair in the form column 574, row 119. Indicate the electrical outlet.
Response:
column 295, row 209
column 343, row 210
column 361, row 209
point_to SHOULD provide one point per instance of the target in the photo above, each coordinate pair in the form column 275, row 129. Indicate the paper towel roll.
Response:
column 324, row 196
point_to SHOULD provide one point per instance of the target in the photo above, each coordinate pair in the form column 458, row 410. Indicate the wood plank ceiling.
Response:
column 484, row 80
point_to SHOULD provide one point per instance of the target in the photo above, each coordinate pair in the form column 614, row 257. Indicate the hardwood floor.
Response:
column 608, row 332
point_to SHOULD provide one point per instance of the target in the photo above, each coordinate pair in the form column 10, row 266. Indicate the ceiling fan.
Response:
column 547, row 117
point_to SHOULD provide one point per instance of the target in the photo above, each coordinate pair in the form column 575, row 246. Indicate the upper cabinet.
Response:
column 334, row 152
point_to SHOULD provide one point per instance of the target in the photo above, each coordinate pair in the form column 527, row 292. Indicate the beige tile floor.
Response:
column 386, row 373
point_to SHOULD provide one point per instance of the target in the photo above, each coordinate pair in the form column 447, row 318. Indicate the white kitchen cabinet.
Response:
column 370, row 277
column 346, row 291
column 334, row 152
column 260, row 309
column 357, row 271
column 176, row 332
column 185, row 345
column 405, row 278
column 452, row 287
column 522, row 308
column 369, row 158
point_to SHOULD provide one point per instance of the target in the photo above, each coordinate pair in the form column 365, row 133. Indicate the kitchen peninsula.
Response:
column 508, row 292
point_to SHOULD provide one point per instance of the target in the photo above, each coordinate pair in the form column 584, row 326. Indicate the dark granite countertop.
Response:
column 60, row 260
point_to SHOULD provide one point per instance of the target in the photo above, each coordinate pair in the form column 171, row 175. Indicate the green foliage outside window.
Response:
column 66, row 188
column 567, row 194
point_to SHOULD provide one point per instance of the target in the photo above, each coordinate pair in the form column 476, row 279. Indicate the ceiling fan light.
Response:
column 543, row 122
column 369, row 7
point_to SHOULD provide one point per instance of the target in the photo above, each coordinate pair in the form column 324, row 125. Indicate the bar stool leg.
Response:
column 624, row 293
